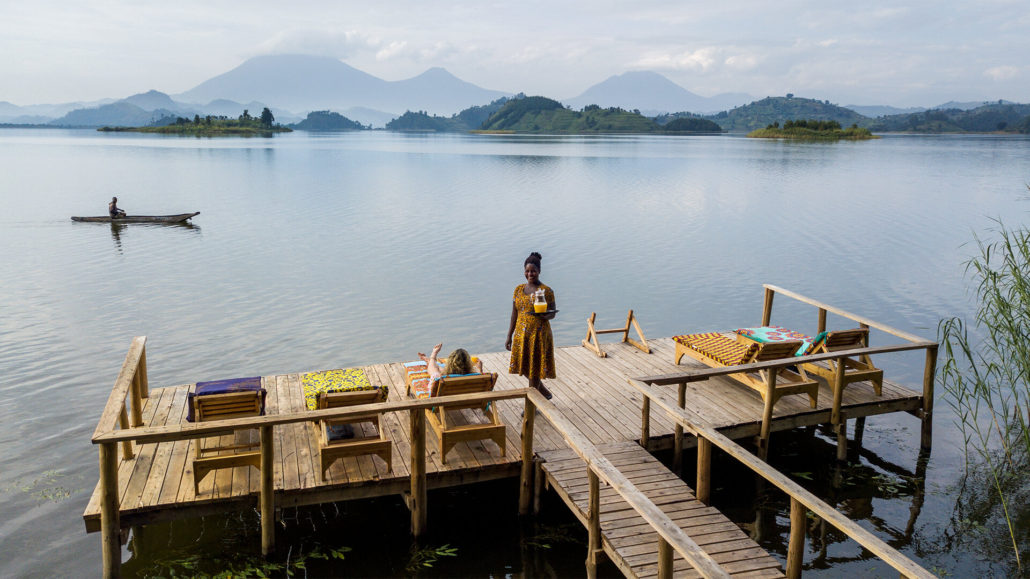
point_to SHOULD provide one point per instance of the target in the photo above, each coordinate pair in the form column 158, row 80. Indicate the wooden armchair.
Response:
column 855, row 370
column 240, row 448
column 332, row 447
column 448, row 432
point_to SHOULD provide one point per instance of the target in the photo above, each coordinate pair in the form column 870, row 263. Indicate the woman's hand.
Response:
column 507, row 344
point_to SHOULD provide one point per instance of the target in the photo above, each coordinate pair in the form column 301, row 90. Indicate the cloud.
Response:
column 700, row 60
column 743, row 61
column 999, row 73
column 324, row 42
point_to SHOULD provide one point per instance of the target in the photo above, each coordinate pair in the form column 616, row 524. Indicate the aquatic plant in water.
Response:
column 986, row 381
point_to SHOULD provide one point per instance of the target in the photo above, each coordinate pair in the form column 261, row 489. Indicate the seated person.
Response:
column 458, row 363
column 113, row 210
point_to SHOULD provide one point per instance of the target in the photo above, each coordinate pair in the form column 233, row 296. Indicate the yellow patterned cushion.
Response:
column 723, row 350
column 349, row 380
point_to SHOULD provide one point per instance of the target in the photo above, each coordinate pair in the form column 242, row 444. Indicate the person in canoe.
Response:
column 113, row 210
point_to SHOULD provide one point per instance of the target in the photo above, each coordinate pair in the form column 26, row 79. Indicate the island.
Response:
column 812, row 130
column 212, row 126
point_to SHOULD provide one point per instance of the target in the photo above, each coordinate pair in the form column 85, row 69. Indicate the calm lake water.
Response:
column 324, row 251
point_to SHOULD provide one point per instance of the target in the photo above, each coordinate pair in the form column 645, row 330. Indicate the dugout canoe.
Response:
column 180, row 218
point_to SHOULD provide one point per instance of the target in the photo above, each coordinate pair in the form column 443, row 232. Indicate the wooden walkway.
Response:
column 629, row 541
column 591, row 392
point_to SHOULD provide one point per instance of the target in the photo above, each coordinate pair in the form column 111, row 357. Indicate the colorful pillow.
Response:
column 765, row 334
column 417, row 379
column 349, row 380
column 719, row 348
column 223, row 386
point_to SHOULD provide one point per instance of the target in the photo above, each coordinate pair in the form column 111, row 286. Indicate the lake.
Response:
column 317, row 251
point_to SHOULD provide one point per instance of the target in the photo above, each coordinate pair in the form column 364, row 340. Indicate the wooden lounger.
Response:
column 855, row 370
column 243, row 450
column 718, row 351
column 331, row 449
column 448, row 434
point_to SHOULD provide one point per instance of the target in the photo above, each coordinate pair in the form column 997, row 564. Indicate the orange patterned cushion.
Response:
column 723, row 350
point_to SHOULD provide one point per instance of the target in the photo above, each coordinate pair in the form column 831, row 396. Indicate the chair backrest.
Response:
column 451, row 385
column 341, row 399
column 776, row 350
column 227, row 405
column 845, row 340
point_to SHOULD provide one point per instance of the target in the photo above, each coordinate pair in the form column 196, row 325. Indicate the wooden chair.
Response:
column 331, row 449
column 718, row 351
column 449, row 433
column 244, row 448
column 855, row 370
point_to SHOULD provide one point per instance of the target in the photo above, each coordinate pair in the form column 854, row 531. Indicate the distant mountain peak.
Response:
column 652, row 93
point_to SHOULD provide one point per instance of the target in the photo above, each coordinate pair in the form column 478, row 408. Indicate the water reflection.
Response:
column 117, row 229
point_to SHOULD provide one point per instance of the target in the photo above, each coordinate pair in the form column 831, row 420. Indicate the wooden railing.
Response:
column 681, row 379
column 126, row 398
column 671, row 536
column 800, row 499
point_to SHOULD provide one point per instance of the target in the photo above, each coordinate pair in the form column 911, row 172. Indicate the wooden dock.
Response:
column 591, row 392
column 606, row 414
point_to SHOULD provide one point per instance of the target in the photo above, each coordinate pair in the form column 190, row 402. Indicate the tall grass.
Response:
column 987, row 381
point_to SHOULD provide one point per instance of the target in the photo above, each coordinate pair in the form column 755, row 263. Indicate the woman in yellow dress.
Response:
column 529, row 333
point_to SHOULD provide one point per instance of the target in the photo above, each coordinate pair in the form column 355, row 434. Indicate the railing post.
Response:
column 840, row 424
column 141, row 371
column 418, row 472
column 137, row 399
column 767, row 412
column 110, row 528
column 664, row 559
column 123, row 423
column 645, row 421
column 767, row 307
column 594, row 526
column 704, row 470
column 821, row 324
column 267, row 492
column 929, row 376
column 526, row 478
column 677, row 440
column 796, row 547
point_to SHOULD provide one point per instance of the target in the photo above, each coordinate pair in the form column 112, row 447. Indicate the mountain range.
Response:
column 293, row 85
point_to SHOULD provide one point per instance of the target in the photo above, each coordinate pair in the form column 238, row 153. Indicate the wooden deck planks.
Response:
column 592, row 392
column 629, row 541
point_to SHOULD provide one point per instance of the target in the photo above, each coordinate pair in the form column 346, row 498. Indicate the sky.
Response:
column 899, row 52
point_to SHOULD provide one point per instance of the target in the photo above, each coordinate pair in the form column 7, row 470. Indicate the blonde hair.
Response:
column 459, row 362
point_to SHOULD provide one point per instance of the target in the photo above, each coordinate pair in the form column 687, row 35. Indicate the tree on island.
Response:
column 267, row 118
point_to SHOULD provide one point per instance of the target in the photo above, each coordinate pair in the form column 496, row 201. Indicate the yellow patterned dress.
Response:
column 532, row 346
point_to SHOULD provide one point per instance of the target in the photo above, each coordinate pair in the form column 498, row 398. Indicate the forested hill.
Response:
column 996, row 117
column 544, row 115
column 769, row 110
column 467, row 120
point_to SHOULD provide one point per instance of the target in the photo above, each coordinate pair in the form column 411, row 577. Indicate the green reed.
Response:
column 986, row 378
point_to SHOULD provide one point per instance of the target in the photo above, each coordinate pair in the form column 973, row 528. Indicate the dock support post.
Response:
column 526, row 478
column 677, row 441
column 645, row 422
column 538, row 486
column 767, row 307
column 929, row 376
column 796, row 547
column 418, row 472
column 664, row 559
column 594, row 526
column 267, row 492
column 110, row 528
column 841, row 430
column 859, row 431
column 704, row 470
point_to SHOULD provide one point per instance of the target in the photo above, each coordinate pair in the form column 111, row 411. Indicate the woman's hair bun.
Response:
column 533, row 258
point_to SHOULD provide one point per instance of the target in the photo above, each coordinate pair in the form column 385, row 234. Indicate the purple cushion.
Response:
column 252, row 384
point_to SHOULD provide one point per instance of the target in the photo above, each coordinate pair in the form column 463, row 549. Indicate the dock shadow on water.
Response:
column 475, row 532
